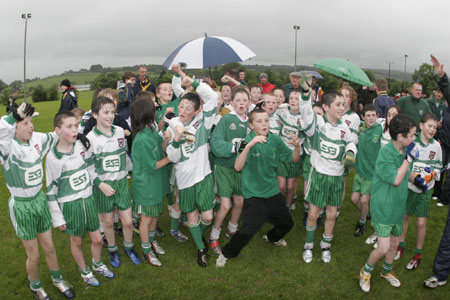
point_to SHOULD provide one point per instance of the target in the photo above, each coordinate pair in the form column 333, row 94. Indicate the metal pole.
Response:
column 389, row 78
column 406, row 56
column 26, row 17
column 296, row 28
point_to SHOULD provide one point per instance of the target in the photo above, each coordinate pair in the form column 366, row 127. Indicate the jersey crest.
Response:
column 432, row 155
column 121, row 142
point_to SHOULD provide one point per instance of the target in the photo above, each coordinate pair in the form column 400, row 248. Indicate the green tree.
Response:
column 39, row 94
column 2, row 85
column 15, row 86
column 370, row 74
column 52, row 92
column 6, row 92
column 96, row 68
column 108, row 80
column 395, row 87
column 328, row 82
column 426, row 76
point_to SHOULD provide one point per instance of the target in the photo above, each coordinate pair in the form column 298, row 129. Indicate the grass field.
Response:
column 262, row 271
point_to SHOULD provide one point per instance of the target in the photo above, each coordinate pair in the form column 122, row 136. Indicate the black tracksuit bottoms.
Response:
column 255, row 212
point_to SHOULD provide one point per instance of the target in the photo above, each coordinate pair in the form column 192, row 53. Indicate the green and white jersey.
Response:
column 67, row 178
column 429, row 156
column 353, row 121
column 230, row 129
column 191, row 163
column 289, row 124
column 329, row 142
column 22, row 162
column 109, row 155
column 385, row 137
column 274, row 124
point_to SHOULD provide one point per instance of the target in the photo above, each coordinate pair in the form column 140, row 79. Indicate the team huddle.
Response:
column 210, row 155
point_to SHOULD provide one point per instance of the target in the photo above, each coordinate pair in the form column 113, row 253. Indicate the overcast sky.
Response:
column 64, row 35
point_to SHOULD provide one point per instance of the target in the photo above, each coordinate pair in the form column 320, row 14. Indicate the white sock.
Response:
column 232, row 227
column 215, row 233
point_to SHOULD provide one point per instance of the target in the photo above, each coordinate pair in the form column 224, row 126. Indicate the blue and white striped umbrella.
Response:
column 207, row 52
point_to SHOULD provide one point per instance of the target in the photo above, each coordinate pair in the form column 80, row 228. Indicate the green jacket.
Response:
column 413, row 107
column 438, row 109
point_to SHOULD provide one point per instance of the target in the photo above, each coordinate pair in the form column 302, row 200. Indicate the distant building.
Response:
column 82, row 87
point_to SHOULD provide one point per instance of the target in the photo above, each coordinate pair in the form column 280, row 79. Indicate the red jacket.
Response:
column 267, row 88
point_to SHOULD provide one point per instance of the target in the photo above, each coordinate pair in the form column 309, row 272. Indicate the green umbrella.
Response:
column 344, row 69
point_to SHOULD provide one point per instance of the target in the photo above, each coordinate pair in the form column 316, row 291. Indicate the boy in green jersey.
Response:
column 262, row 198
column 225, row 142
column 370, row 133
column 388, row 197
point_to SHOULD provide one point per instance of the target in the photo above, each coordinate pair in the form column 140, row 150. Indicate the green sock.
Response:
column 169, row 197
column 113, row 248
column 85, row 271
column 56, row 275
column 203, row 225
column 151, row 236
column 97, row 264
column 403, row 244
column 128, row 246
column 174, row 224
column 146, row 247
column 310, row 233
column 387, row 268
column 367, row 267
column 35, row 284
column 196, row 232
column 417, row 251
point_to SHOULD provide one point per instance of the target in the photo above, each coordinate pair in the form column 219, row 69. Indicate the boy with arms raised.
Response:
column 370, row 133
column 225, row 142
column 388, row 197
column 188, row 150
column 22, row 151
column 263, row 202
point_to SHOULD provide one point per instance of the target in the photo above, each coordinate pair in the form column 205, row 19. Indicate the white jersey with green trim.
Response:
column 22, row 162
column 191, row 163
column 352, row 120
column 274, row 124
column 67, row 179
column 429, row 156
column 329, row 142
column 289, row 124
column 108, row 154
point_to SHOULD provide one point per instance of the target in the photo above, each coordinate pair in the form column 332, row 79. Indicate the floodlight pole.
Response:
column 26, row 17
column 406, row 56
column 296, row 28
column 389, row 76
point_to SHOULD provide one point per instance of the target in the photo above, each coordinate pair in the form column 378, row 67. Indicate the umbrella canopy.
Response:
column 313, row 73
column 344, row 69
column 208, row 52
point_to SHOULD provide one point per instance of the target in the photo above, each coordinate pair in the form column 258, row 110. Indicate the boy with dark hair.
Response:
column 370, row 133
column 388, row 197
column 263, row 201
column 188, row 150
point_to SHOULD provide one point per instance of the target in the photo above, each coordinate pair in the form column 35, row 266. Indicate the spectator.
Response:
column 437, row 107
column 366, row 95
column 144, row 83
column 264, row 83
column 405, row 92
column 69, row 99
column 9, row 106
column 126, row 95
column 294, row 83
column 413, row 105
column 382, row 101
column 242, row 77
column 317, row 89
